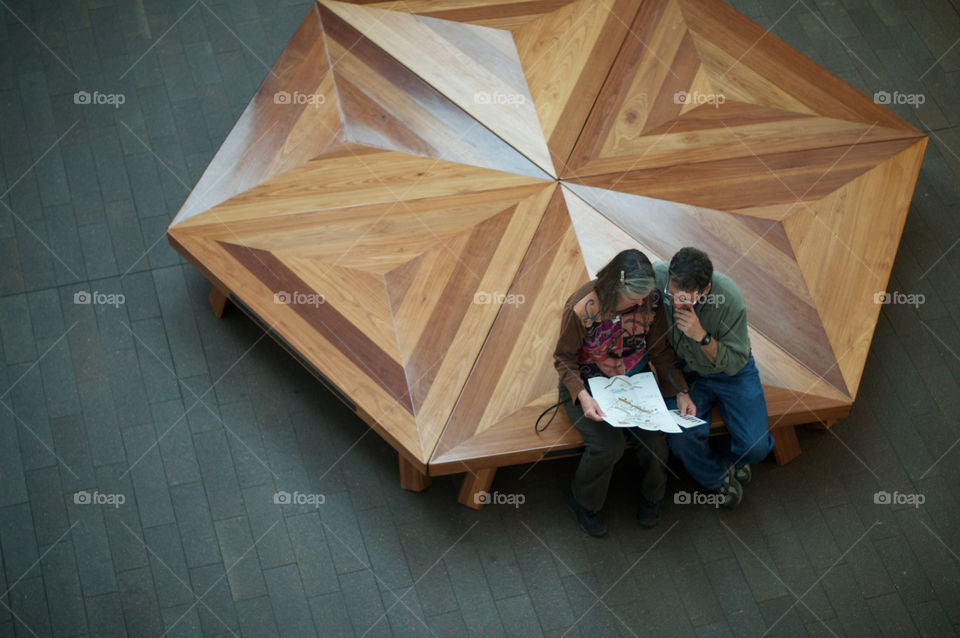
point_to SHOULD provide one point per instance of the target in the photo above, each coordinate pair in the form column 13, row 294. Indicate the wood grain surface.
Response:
column 475, row 67
column 700, row 82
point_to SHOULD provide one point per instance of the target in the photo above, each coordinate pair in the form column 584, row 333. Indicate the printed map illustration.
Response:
column 635, row 401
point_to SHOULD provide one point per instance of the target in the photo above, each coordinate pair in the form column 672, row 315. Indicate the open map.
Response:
column 635, row 402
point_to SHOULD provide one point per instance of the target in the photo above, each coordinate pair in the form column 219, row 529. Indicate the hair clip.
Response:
column 621, row 277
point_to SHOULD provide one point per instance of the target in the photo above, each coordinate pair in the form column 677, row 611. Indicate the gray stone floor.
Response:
column 195, row 422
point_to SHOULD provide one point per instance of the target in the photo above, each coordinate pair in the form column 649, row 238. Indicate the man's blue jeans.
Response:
column 740, row 401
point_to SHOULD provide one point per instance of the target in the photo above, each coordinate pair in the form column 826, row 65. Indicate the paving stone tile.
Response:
column 244, row 576
column 197, row 533
column 217, row 613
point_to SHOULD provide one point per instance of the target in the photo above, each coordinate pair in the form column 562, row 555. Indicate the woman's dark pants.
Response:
column 604, row 447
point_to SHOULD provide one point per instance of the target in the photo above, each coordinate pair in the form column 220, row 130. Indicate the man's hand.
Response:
column 685, row 405
column 591, row 409
column 688, row 322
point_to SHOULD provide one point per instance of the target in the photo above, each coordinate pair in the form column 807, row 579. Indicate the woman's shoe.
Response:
column 648, row 513
column 589, row 521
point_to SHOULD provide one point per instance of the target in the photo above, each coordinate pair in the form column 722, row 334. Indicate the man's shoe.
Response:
column 589, row 521
column 742, row 473
column 648, row 513
column 731, row 491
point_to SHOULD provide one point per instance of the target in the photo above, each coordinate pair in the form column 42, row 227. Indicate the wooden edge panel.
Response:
column 475, row 458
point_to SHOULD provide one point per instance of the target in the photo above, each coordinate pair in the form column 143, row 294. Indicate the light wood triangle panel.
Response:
column 386, row 105
column 845, row 245
column 476, row 67
column 407, row 328
column 498, row 14
column 600, row 239
column 349, row 175
column 292, row 118
column 744, row 60
column 780, row 369
column 388, row 207
column 566, row 56
column 514, row 379
column 701, row 82
column 770, row 186
column 443, row 343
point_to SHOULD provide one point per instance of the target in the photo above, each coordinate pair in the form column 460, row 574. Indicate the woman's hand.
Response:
column 591, row 409
column 685, row 405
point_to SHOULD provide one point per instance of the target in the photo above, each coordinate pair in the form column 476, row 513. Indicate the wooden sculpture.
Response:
column 410, row 197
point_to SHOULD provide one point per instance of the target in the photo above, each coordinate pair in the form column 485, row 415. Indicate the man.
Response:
column 707, row 327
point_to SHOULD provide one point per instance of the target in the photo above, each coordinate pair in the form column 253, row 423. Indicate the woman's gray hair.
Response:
column 630, row 272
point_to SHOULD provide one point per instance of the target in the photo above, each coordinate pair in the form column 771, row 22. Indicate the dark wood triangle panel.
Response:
column 476, row 242
column 730, row 114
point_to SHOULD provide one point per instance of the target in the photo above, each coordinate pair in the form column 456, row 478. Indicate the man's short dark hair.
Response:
column 690, row 269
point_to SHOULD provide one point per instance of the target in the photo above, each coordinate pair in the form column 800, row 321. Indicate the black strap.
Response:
column 555, row 407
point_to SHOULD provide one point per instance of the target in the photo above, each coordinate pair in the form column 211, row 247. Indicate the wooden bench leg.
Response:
column 411, row 478
column 825, row 425
column 786, row 447
column 476, row 488
column 218, row 301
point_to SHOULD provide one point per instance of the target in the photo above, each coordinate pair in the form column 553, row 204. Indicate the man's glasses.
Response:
column 670, row 300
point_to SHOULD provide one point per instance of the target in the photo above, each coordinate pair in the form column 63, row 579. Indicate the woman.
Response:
column 614, row 325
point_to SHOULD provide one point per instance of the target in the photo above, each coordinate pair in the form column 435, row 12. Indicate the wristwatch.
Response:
column 706, row 340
